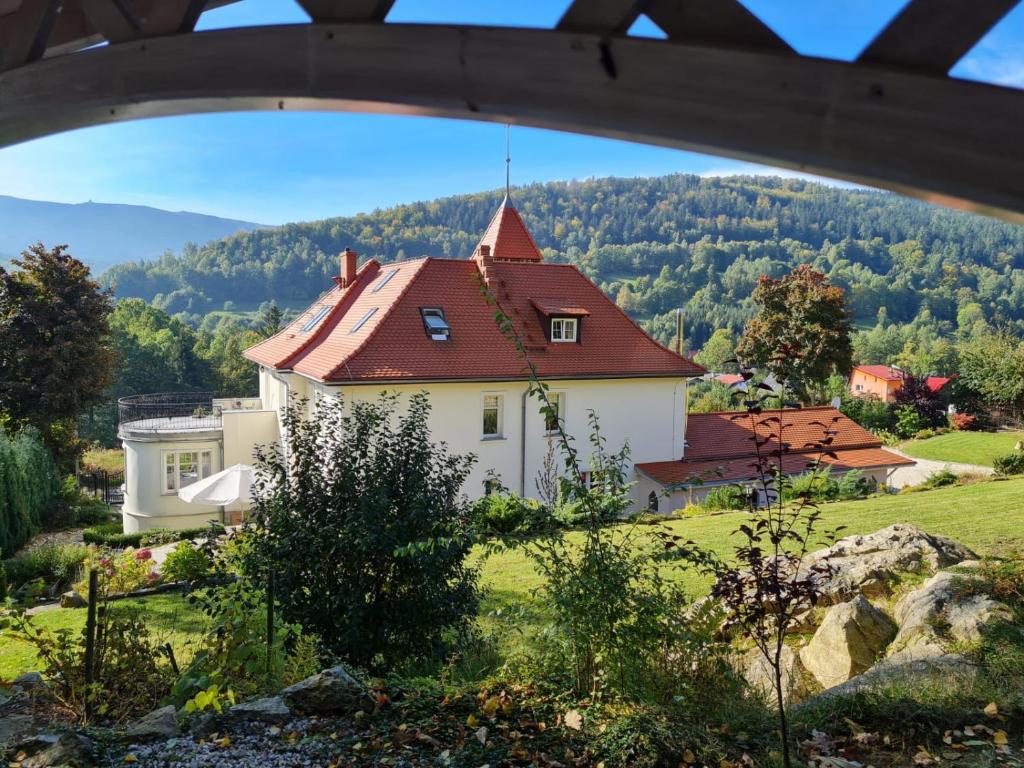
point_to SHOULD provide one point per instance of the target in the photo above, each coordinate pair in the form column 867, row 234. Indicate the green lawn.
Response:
column 964, row 447
column 986, row 516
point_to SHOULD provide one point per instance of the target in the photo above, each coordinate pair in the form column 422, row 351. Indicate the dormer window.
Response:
column 564, row 329
column 435, row 324
column 316, row 319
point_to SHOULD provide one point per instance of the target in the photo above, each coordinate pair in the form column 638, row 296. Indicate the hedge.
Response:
column 111, row 535
column 29, row 486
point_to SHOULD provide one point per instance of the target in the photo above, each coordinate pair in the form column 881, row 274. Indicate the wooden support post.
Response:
column 90, row 642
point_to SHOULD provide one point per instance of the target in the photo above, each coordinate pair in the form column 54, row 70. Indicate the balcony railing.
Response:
column 169, row 412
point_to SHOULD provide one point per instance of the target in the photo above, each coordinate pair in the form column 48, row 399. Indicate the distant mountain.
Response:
column 102, row 234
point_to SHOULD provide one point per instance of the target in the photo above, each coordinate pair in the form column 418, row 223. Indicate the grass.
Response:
column 169, row 617
column 108, row 459
column 984, row 516
column 964, row 447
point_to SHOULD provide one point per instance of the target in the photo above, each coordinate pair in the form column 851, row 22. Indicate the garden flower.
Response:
column 143, row 554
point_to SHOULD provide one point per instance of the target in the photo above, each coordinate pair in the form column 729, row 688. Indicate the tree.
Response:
column 992, row 365
column 55, row 336
column 802, row 330
column 271, row 320
column 719, row 352
column 930, row 406
column 353, row 486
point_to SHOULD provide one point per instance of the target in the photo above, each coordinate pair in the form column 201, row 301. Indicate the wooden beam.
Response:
column 346, row 10
column 27, row 31
column 113, row 19
column 172, row 17
column 933, row 35
column 600, row 17
column 725, row 23
column 948, row 141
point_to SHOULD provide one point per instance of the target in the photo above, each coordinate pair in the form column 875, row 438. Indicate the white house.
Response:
column 426, row 325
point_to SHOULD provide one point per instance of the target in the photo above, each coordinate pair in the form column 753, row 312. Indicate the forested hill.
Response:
column 653, row 244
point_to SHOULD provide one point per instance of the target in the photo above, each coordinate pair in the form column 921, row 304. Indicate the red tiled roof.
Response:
column 675, row 473
column 881, row 372
column 729, row 378
column 550, row 307
column 721, row 446
column 508, row 237
column 936, row 383
column 393, row 346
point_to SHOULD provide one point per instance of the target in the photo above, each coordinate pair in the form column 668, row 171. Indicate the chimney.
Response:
column 348, row 267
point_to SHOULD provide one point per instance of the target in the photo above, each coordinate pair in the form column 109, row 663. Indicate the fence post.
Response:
column 90, row 643
column 270, row 621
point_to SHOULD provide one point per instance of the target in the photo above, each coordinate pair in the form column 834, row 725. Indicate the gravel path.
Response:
column 925, row 468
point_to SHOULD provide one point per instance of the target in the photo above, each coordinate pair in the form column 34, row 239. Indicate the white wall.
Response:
column 146, row 506
column 648, row 413
column 243, row 432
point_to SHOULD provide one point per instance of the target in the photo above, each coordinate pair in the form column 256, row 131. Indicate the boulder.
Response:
column 866, row 564
column 941, row 611
column 271, row 709
column 159, row 724
column 48, row 750
column 758, row 673
column 851, row 637
column 28, row 680
column 72, row 599
column 910, row 677
column 14, row 727
column 333, row 690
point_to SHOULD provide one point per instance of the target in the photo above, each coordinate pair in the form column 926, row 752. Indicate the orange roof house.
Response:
column 884, row 381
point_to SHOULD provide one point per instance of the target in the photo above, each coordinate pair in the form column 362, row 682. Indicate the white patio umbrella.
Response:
column 224, row 488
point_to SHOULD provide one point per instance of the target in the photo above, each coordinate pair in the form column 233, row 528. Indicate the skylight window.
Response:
column 435, row 324
column 362, row 320
column 316, row 319
column 384, row 280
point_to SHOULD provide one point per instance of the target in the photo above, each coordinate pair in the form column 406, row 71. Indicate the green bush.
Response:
column 112, row 535
column 1010, row 464
column 505, row 513
column 83, row 509
column 28, row 489
column 54, row 564
column 924, row 434
column 870, row 412
column 725, row 497
column 941, row 479
column 3, row 581
column 186, row 562
column 908, row 421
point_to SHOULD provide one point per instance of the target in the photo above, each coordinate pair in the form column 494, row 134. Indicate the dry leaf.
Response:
column 992, row 709
column 472, row 722
column 688, row 757
column 129, row 758
column 573, row 719
column 999, row 739
column 481, row 734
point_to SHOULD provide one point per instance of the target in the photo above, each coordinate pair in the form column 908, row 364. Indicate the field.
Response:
column 988, row 517
column 108, row 459
column 964, row 447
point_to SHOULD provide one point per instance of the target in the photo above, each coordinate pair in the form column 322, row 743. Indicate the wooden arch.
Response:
column 722, row 83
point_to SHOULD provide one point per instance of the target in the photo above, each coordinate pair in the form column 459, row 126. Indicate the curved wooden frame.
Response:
column 947, row 141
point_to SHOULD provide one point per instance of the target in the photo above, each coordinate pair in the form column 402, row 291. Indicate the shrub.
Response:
column 940, row 479
column 964, row 421
column 725, row 497
column 28, row 489
column 82, row 509
column 127, row 571
column 908, row 421
column 1010, row 464
column 870, row 412
column 3, row 582
column 924, row 434
column 506, row 513
column 186, row 562
column 887, row 437
column 356, row 486
column 55, row 564
column 111, row 535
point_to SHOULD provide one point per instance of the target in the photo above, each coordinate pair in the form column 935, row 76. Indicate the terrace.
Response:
column 162, row 414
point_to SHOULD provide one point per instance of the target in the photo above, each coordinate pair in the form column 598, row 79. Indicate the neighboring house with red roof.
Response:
column 425, row 325
column 884, row 381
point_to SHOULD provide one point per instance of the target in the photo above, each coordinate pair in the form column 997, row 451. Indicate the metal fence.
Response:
column 100, row 484
column 182, row 410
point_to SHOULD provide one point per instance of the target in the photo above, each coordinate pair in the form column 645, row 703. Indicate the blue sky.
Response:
column 274, row 167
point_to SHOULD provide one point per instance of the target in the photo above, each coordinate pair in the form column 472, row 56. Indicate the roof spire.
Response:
column 508, row 162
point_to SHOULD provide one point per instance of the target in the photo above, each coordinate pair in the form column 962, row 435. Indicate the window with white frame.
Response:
column 555, row 413
column 563, row 328
column 182, row 468
column 492, row 416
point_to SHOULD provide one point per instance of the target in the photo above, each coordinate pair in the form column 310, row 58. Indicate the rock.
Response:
column 205, row 724
column 268, row 710
column 159, row 724
column 333, row 690
column 72, row 599
column 942, row 610
column 851, row 637
column 66, row 749
column 866, row 564
column 911, row 677
column 29, row 680
column 14, row 727
column 759, row 675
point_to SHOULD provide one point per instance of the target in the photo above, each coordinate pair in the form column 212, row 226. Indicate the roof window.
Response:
column 316, row 319
column 384, row 280
column 435, row 324
column 363, row 319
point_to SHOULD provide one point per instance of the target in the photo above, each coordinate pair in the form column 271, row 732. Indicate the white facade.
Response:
column 648, row 413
